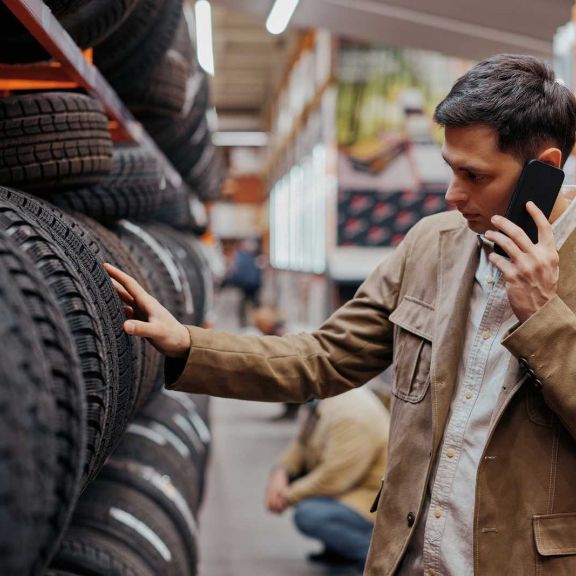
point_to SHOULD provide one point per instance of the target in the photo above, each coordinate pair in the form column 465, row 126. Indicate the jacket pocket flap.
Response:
column 415, row 316
column 555, row 534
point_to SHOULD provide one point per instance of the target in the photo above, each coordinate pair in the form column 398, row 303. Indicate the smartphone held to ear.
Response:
column 540, row 183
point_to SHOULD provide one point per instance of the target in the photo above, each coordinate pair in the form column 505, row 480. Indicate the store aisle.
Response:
column 238, row 537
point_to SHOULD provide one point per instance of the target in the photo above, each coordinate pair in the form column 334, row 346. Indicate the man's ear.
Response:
column 552, row 156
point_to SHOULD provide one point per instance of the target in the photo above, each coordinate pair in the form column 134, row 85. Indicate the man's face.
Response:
column 483, row 177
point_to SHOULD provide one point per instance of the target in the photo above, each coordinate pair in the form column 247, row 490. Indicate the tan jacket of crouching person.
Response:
column 332, row 472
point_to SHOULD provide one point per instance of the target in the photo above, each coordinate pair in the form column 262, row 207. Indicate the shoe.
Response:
column 332, row 558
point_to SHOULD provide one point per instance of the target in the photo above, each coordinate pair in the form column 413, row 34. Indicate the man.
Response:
column 482, row 457
column 331, row 474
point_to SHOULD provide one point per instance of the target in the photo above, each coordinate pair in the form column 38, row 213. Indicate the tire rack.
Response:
column 72, row 68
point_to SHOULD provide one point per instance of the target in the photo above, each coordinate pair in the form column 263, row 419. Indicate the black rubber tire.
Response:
column 114, row 508
column 81, row 316
column 158, row 484
column 134, row 189
column 171, row 132
column 66, row 387
column 153, row 444
column 168, row 281
column 191, row 426
column 201, row 165
column 146, row 357
column 53, row 139
column 167, row 90
column 87, row 21
column 139, row 44
column 180, row 210
column 188, row 151
column 93, row 258
column 164, row 92
column 95, row 20
column 180, row 414
column 109, row 391
column 184, row 249
column 161, row 267
column 202, row 403
column 62, row 7
column 208, row 185
column 175, row 210
column 27, row 435
column 87, row 552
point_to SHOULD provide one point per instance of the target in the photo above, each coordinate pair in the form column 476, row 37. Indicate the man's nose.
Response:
column 455, row 195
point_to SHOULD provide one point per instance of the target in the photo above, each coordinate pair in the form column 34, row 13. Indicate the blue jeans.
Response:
column 340, row 528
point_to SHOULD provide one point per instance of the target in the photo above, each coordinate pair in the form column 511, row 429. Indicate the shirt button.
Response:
column 410, row 519
column 486, row 334
column 468, row 395
column 438, row 513
column 490, row 280
column 450, row 453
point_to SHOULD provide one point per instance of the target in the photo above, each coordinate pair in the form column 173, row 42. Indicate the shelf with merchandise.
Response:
column 72, row 68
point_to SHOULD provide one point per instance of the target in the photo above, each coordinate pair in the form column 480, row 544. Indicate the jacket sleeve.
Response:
column 544, row 344
column 350, row 348
column 292, row 460
column 349, row 453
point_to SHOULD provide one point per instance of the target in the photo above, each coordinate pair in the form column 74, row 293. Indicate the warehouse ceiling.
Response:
column 248, row 65
column 465, row 28
column 249, row 61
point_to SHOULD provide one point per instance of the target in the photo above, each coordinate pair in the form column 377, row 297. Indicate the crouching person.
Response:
column 331, row 474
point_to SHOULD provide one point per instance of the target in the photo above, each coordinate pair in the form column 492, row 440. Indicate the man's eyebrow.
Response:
column 468, row 167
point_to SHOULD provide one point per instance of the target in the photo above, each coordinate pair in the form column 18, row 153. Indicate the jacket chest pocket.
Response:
column 555, row 538
column 413, row 325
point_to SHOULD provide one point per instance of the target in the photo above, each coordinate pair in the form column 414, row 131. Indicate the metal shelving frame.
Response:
column 72, row 68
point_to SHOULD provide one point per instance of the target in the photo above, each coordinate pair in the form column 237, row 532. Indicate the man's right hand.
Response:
column 276, row 491
column 148, row 318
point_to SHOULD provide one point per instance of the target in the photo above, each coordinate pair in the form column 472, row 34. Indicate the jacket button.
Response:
column 410, row 519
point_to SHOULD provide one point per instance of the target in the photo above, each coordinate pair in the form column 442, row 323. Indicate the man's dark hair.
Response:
column 520, row 98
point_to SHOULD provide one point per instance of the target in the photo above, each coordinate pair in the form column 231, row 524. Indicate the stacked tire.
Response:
column 141, row 513
column 145, row 50
column 84, row 378
column 81, row 401
column 151, row 62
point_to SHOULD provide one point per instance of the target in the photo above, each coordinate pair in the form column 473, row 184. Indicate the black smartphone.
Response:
column 540, row 183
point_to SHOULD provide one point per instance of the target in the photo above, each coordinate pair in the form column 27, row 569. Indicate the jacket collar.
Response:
column 458, row 260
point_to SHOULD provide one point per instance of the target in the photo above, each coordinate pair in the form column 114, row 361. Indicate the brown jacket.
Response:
column 341, row 451
column 413, row 310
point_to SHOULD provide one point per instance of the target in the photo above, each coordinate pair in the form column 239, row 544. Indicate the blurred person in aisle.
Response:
column 270, row 322
column 246, row 275
column 331, row 473
column 481, row 462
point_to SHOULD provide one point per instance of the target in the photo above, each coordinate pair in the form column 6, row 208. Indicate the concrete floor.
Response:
column 238, row 537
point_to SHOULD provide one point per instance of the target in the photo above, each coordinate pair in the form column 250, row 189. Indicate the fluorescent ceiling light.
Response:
column 204, row 46
column 240, row 139
column 280, row 15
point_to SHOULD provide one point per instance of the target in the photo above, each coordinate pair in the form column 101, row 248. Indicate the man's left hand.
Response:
column 532, row 271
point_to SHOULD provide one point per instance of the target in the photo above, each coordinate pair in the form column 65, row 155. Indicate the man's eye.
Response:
column 473, row 177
